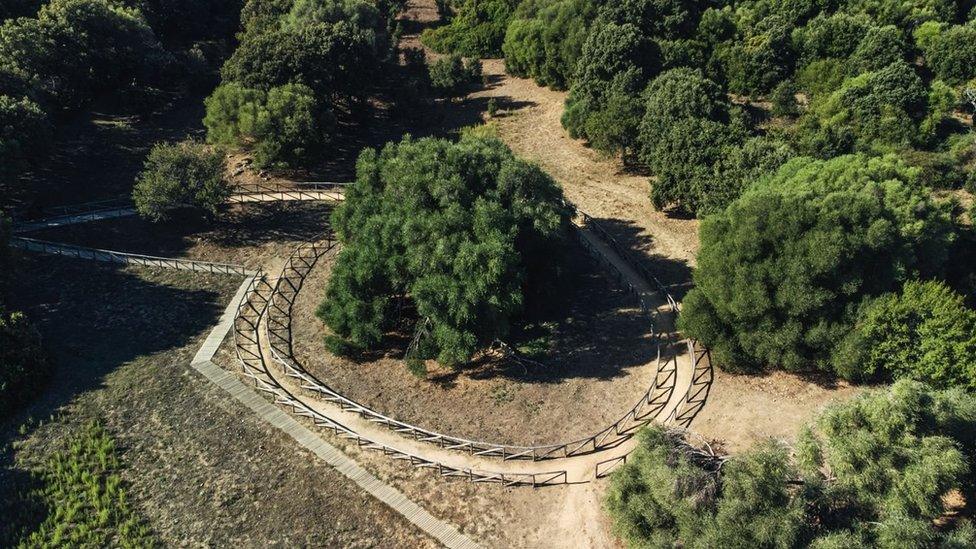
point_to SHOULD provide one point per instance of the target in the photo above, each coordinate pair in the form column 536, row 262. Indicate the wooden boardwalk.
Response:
column 278, row 418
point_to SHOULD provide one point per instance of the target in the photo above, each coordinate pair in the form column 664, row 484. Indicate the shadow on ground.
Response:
column 674, row 274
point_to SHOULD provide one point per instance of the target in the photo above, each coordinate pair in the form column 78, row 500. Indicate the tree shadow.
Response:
column 95, row 317
column 674, row 274
column 22, row 512
column 593, row 330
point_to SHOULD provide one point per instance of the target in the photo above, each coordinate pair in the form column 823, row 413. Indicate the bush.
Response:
column 24, row 367
column 185, row 174
column 756, row 63
column 877, row 111
column 24, row 132
column 880, row 47
column 783, row 269
column 476, row 30
column 545, row 40
column 453, row 75
column 925, row 333
column 872, row 472
column 831, row 36
column 284, row 127
column 952, row 54
column 612, row 72
column 464, row 231
column 111, row 46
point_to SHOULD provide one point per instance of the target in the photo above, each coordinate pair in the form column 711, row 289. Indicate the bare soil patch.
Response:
column 200, row 467
column 246, row 234
column 600, row 359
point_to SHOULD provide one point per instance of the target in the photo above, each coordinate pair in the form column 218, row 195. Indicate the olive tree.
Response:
column 463, row 233
column 782, row 271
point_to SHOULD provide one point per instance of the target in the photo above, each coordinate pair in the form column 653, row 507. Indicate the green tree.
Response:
column 783, row 269
column 871, row 472
column 24, row 132
column 476, row 30
column 926, row 332
column 545, row 40
column 465, row 231
column 185, row 174
column 952, row 54
column 880, row 47
column 284, row 127
column 24, row 367
column 452, row 75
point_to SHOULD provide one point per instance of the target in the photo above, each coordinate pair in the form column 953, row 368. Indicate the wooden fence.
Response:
column 275, row 192
column 110, row 256
column 282, row 299
column 248, row 343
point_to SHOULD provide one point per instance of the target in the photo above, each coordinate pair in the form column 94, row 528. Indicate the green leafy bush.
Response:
column 453, row 75
column 110, row 46
column 880, row 47
column 872, row 472
column 86, row 499
column 24, row 368
column 284, row 127
column 465, row 232
column 952, row 54
column 476, row 30
column 761, row 59
column 783, row 269
column 24, row 132
column 185, row 174
column 545, row 40
column 926, row 332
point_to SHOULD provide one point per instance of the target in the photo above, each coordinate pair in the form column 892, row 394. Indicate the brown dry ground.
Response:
column 600, row 361
column 201, row 468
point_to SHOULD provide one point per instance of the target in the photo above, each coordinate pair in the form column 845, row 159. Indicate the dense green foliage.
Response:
column 868, row 473
column 477, row 29
column 783, row 270
column 464, row 233
column 545, row 39
column 86, row 502
column 25, row 131
column 925, row 332
column 180, row 175
column 300, row 66
column 23, row 364
column 452, row 75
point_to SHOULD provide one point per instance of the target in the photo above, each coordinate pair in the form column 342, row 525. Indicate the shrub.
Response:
column 24, row 367
column 831, row 36
column 783, row 269
column 755, row 64
column 876, row 111
column 926, row 333
column 545, row 40
column 453, row 75
column 476, row 30
column 952, row 54
column 784, row 99
column 613, row 70
column 86, row 498
column 185, row 174
column 111, row 46
column 872, row 472
column 24, row 132
column 880, row 47
column 284, row 127
column 465, row 231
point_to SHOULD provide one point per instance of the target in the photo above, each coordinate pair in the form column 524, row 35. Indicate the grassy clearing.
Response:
column 84, row 499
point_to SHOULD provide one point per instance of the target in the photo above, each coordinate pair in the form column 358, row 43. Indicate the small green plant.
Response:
column 492, row 108
column 417, row 367
column 502, row 394
column 86, row 501
column 453, row 75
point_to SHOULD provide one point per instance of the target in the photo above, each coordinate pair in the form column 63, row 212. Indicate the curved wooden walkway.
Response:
column 278, row 418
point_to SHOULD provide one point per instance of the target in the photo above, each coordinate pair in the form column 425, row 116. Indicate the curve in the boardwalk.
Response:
column 278, row 330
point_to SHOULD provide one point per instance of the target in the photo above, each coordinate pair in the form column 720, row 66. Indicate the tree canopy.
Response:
column 873, row 472
column 457, row 230
column 185, row 174
column 783, row 270
column 476, row 28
